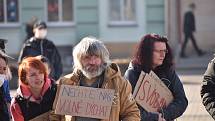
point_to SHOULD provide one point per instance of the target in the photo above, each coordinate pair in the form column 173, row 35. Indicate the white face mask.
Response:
column 40, row 33
column 2, row 78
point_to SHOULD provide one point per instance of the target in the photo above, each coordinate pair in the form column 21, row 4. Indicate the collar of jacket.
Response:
column 25, row 92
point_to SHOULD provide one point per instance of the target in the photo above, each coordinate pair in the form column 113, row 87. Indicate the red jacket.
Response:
column 25, row 93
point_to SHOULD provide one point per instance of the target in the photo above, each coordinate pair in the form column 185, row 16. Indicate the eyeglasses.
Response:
column 161, row 51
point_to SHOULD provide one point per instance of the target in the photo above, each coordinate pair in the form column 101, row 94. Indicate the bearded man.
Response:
column 93, row 68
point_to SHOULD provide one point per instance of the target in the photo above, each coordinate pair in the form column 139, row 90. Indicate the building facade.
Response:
column 116, row 22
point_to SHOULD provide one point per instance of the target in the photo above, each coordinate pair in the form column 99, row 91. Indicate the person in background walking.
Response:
column 154, row 53
column 40, row 45
column 189, row 29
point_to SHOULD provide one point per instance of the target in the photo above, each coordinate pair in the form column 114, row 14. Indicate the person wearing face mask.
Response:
column 40, row 45
column 5, row 76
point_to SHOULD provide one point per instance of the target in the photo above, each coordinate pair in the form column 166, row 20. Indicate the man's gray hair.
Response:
column 90, row 46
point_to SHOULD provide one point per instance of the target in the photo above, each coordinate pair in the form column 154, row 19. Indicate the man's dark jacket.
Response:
column 189, row 23
column 208, row 89
column 179, row 104
column 34, row 47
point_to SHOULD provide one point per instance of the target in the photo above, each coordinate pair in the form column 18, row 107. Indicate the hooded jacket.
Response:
column 25, row 107
column 123, row 106
column 176, row 108
column 35, row 47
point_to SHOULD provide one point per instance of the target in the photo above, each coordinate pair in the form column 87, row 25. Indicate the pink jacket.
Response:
column 26, row 93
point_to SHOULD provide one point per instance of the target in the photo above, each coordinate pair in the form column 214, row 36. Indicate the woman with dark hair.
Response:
column 154, row 53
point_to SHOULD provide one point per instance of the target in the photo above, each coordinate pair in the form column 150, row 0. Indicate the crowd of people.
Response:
column 39, row 91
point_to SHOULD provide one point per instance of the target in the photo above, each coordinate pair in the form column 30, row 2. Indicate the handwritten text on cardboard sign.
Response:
column 84, row 101
column 152, row 95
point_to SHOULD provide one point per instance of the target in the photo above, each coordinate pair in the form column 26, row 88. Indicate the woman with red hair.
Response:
column 36, row 92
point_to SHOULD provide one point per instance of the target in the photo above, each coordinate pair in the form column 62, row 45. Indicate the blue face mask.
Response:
column 2, row 79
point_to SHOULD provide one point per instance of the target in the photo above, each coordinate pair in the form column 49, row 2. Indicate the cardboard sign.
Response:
column 138, row 84
column 42, row 117
column 84, row 101
column 152, row 93
column 157, row 79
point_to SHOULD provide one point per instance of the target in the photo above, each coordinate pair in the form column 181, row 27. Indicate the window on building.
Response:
column 122, row 11
column 60, row 11
column 9, row 11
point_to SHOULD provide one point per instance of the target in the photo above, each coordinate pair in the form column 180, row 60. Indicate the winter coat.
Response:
column 123, row 106
column 208, row 89
column 176, row 108
column 189, row 23
column 25, row 107
column 35, row 47
column 4, row 114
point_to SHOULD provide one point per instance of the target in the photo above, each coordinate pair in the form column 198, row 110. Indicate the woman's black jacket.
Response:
column 179, row 104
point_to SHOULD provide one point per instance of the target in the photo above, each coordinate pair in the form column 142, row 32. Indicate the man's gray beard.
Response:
column 91, row 75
